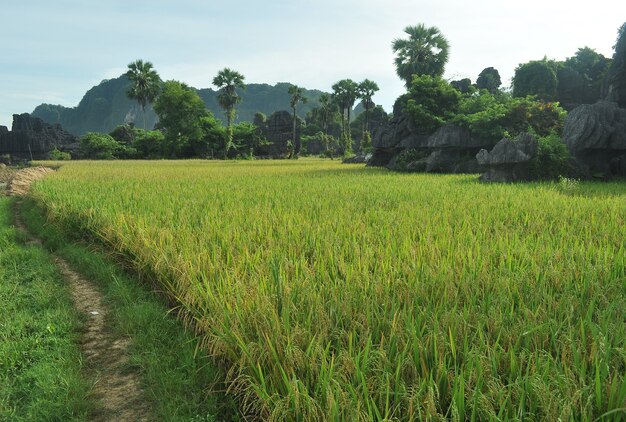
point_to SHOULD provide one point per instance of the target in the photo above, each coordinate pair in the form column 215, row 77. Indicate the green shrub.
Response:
column 99, row 146
column 431, row 102
column 149, row 144
column 57, row 155
column 366, row 142
column 567, row 185
column 552, row 160
column 125, row 134
column 327, row 144
column 492, row 117
column 407, row 160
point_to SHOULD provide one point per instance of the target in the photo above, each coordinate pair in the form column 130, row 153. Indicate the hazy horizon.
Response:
column 54, row 53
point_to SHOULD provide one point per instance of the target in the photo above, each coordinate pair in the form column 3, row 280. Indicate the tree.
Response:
column 430, row 102
column 425, row 52
column 146, row 84
column 326, row 110
column 297, row 96
column 377, row 117
column 182, row 117
column 227, row 80
column 149, row 144
column 489, row 79
column 366, row 91
column 490, row 117
column 591, row 68
column 537, row 77
column 247, row 138
column 260, row 120
column 464, row 86
column 572, row 88
column 617, row 72
column 345, row 93
column 100, row 146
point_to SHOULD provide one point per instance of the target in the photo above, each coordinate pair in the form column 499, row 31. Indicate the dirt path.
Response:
column 117, row 393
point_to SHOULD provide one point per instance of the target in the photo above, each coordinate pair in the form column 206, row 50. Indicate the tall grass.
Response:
column 344, row 293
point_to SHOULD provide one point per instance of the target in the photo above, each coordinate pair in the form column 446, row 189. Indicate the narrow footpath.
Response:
column 116, row 392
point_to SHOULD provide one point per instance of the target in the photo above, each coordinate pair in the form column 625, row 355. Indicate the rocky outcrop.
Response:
column 452, row 161
column 596, row 137
column 358, row 159
column 32, row 137
column 509, row 159
column 451, row 149
column 391, row 139
column 451, row 136
column 596, row 134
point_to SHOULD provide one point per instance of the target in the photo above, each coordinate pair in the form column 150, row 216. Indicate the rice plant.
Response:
column 333, row 292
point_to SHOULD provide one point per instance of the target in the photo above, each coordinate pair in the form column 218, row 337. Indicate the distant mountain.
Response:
column 106, row 106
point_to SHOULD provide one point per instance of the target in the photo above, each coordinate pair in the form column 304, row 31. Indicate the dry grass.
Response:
column 19, row 181
column 6, row 174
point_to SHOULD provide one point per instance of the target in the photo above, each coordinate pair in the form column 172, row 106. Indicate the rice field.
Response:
column 334, row 292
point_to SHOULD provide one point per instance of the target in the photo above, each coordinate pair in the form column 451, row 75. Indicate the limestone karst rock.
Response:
column 32, row 137
column 595, row 135
column 508, row 160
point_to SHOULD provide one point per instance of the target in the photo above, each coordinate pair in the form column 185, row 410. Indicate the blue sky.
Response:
column 53, row 52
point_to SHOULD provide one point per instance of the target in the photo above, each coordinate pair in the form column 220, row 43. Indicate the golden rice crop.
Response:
column 335, row 292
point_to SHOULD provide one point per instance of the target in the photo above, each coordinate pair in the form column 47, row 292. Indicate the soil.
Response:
column 116, row 393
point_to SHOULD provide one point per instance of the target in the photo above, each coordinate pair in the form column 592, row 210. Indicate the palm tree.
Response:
column 345, row 93
column 367, row 89
column 146, row 84
column 297, row 96
column 326, row 108
column 424, row 53
column 227, row 80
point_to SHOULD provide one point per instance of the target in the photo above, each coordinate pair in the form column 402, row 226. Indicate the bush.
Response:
column 408, row 160
column 366, row 143
column 57, row 155
column 247, row 138
column 99, row 146
column 320, row 143
column 491, row 117
column 431, row 102
column 568, row 186
column 552, row 160
column 345, row 145
column 484, row 115
column 125, row 134
column 149, row 144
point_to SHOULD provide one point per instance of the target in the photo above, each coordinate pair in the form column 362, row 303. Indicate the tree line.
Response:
column 187, row 129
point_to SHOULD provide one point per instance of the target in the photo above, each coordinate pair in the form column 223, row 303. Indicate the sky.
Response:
column 53, row 52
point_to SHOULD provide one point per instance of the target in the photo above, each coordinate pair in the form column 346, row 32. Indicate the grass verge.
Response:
column 40, row 362
column 180, row 383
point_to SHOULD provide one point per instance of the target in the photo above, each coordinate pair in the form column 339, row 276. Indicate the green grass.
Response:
column 180, row 384
column 343, row 293
column 40, row 363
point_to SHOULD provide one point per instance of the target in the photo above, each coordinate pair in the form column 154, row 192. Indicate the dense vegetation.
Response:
column 358, row 294
column 580, row 79
column 542, row 90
